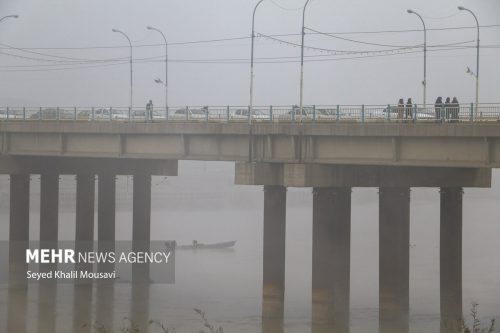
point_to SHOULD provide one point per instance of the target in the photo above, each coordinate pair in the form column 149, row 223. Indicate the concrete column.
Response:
column 47, row 289
column 273, row 286
column 18, row 237
column 106, row 205
column 141, row 235
column 451, row 258
column 141, row 229
column 85, row 197
column 331, row 259
column 49, row 207
column 394, row 268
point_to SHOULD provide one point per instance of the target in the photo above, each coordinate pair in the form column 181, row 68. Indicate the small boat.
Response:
column 201, row 246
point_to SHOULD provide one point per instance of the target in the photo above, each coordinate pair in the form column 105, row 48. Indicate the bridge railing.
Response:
column 309, row 113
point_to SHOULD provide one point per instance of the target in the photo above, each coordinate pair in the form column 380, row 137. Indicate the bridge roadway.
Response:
column 329, row 157
column 395, row 144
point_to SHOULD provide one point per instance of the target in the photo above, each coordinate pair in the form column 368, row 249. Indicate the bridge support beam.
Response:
column 273, row 286
column 394, row 241
column 106, row 205
column 331, row 259
column 451, row 258
column 85, row 197
column 49, row 227
column 18, row 237
column 141, row 236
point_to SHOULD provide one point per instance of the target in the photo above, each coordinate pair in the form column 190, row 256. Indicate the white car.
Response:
column 188, row 113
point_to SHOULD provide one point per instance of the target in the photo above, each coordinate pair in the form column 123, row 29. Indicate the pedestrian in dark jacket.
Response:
column 401, row 108
column 455, row 108
column 447, row 108
column 409, row 109
column 438, row 106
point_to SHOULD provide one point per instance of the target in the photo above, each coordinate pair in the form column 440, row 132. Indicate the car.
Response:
column 190, row 113
column 7, row 114
column 53, row 114
column 110, row 114
column 257, row 114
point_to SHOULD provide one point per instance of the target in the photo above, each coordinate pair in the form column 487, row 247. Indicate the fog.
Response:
column 370, row 80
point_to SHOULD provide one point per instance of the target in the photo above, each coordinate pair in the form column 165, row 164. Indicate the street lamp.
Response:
column 302, row 57
column 424, row 83
column 8, row 16
column 477, row 56
column 130, row 43
column 251, row 62
column 166, row 68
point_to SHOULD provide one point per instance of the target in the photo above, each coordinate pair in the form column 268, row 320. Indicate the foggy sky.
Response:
column 377, row 80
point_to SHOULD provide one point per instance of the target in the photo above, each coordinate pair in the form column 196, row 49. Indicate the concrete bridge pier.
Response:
column 106, row 206
column 451, row 258
column 141, row 237
column 394, row 262
column 49, row 227
column 273, row 284
column 18, row 237
column 331, row 259
column 84, row 236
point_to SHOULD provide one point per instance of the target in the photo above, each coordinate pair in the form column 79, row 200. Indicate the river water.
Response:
column 203, row 203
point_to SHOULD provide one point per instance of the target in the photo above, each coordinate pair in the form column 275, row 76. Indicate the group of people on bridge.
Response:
column 448, row 110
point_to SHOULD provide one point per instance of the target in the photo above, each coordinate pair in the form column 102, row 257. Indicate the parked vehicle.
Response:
column 257, row 114
column 11, row 114
column 180, row 114
column 53, row 114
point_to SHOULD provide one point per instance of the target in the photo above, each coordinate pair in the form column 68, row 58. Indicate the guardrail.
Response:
column 314, row 113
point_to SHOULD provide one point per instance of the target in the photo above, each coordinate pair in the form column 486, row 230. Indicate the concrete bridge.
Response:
column 329, row 157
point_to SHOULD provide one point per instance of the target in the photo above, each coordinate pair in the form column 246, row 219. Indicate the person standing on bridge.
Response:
column 401, row 108
column 438, row 106
column 149, row 111
column 409, row 109
column 455, row 108
column 447, row 108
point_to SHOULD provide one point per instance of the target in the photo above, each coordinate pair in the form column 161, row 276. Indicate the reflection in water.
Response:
column 17, row 308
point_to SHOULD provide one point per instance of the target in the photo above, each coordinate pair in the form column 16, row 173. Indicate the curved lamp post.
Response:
column 302, row 57
column 9, row 16
column 251, row 62
column 166, row 65
column 424, row 83
column 477, row 55
column 130, row 43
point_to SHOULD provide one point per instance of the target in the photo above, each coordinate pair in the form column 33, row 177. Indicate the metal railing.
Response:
column 314, row 113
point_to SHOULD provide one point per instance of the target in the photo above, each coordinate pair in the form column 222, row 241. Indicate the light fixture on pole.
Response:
column 166, row 67
column 477, row 55
column 9, row 16
column 424, row 82
column 302, row 58
column 251, row 63
column 131, row 84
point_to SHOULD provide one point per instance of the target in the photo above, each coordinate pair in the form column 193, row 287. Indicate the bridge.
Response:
column 328, row 149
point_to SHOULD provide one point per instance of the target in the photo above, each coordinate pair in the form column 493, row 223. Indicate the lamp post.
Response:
column 166, row 66
column 424, row 83
column 302, row 57
column 130, row 43
column 477, row 55
column 251, row 62
column 8, row 16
